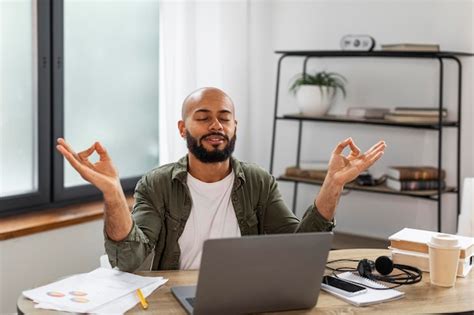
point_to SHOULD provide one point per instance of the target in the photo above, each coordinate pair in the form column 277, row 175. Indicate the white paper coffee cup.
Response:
column 444, row 256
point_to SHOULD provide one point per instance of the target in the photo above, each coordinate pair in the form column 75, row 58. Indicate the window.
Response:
column 19, row 99
column 96, row 78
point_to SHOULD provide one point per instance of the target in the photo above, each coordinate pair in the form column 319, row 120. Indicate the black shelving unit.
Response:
column 442, row 56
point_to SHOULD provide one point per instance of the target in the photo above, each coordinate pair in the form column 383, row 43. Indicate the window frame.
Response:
column 51, row 191
column 60, row 192
column 21, row 202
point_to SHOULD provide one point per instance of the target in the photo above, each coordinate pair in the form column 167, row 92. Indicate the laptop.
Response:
column 258, row 274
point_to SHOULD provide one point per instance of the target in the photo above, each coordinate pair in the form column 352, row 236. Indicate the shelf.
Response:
column 440, row 56
column 427, row 194
column 377, row 53
column 364, row 121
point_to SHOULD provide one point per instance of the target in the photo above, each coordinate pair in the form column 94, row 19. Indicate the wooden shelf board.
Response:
column 374, row 53
column 430, row 194
column 365, row 121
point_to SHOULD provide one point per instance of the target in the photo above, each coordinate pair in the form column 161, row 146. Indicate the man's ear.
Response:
column 182, row 128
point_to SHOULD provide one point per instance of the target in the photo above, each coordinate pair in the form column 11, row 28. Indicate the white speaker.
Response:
column 357, row 42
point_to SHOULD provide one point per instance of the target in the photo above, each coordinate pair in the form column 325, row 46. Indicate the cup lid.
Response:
column 444, row 241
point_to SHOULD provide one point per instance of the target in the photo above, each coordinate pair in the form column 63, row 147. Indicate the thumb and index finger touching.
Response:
column 355, row 151
column 368, row 158
column 78, row 159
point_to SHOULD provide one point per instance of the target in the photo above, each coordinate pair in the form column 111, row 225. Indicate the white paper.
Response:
column 100, row 286
column 119, row 306
column 125, row 303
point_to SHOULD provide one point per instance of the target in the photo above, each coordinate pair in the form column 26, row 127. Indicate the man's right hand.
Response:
column 103, row 174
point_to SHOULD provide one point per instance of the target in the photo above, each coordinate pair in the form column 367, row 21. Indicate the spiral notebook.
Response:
column 371, row 296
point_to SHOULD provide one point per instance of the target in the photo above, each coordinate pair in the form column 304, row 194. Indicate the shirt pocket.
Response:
column 172, row 228
column 252, row 223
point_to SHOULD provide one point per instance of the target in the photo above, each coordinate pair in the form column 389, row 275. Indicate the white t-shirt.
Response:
column 212, row 216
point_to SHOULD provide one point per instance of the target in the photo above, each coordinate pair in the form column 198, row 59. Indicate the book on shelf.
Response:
column 422, row 262
column 416, row 240
column 410, row 47
column 419, row 111
column 414, row 173
column 317, row 174
column 413, row 185
column 314, row 165
column 413, row 118
column 367, row 112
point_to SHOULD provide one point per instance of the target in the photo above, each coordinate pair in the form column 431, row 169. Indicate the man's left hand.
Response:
column 344, row 169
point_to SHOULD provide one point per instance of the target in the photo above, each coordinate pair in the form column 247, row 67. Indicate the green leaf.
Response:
column 321, row 78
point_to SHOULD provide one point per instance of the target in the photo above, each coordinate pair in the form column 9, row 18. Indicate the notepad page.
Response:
column 372, row 296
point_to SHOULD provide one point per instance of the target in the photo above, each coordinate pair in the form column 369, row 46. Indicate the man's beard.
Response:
column 216, row 155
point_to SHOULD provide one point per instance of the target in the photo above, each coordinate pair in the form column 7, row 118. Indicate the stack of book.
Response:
column 411, row 47
column 367, row 112
column 409, row 247
column 416, row 114
column 413, row 178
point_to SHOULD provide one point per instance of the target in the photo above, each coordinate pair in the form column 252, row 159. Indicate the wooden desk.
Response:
column 420, row 298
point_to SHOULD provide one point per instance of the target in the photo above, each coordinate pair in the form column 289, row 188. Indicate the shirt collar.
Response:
column 181, row 169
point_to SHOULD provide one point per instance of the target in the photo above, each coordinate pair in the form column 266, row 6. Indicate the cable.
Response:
column 408, row 275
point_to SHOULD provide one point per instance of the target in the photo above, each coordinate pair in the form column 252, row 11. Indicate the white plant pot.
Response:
column 314, row 100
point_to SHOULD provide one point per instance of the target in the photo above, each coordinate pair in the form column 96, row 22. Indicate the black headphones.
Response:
column 384, row 266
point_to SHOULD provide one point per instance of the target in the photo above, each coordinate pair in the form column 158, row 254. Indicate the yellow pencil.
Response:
column 143, row 302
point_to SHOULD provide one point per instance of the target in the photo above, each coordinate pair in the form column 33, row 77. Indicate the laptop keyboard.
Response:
column 191, row 301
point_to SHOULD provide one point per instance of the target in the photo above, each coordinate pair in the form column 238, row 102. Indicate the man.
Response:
column 206, row 194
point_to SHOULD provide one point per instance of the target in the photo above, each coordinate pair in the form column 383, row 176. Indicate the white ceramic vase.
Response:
column 315, row 100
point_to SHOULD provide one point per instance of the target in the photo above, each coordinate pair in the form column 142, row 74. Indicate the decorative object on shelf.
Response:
column 357, row 42
column 315, row 93
column 366, row 179
column 411, row 47
column 367, row 112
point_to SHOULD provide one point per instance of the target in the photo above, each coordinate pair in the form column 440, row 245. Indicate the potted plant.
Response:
column 315, row 93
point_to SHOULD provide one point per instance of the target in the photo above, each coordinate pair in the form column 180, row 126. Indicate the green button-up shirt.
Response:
column 163, row 204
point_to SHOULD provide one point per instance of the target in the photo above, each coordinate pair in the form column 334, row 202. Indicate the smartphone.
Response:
column 340, row 286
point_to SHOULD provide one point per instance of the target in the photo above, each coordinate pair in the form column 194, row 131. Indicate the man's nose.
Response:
column 216, row 125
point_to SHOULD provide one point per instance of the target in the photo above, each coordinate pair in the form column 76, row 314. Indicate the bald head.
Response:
column 206, row 96
column 208, row 125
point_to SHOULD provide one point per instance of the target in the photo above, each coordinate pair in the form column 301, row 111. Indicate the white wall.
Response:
column 37, row 259
column 30, row 261
column 319, row 25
